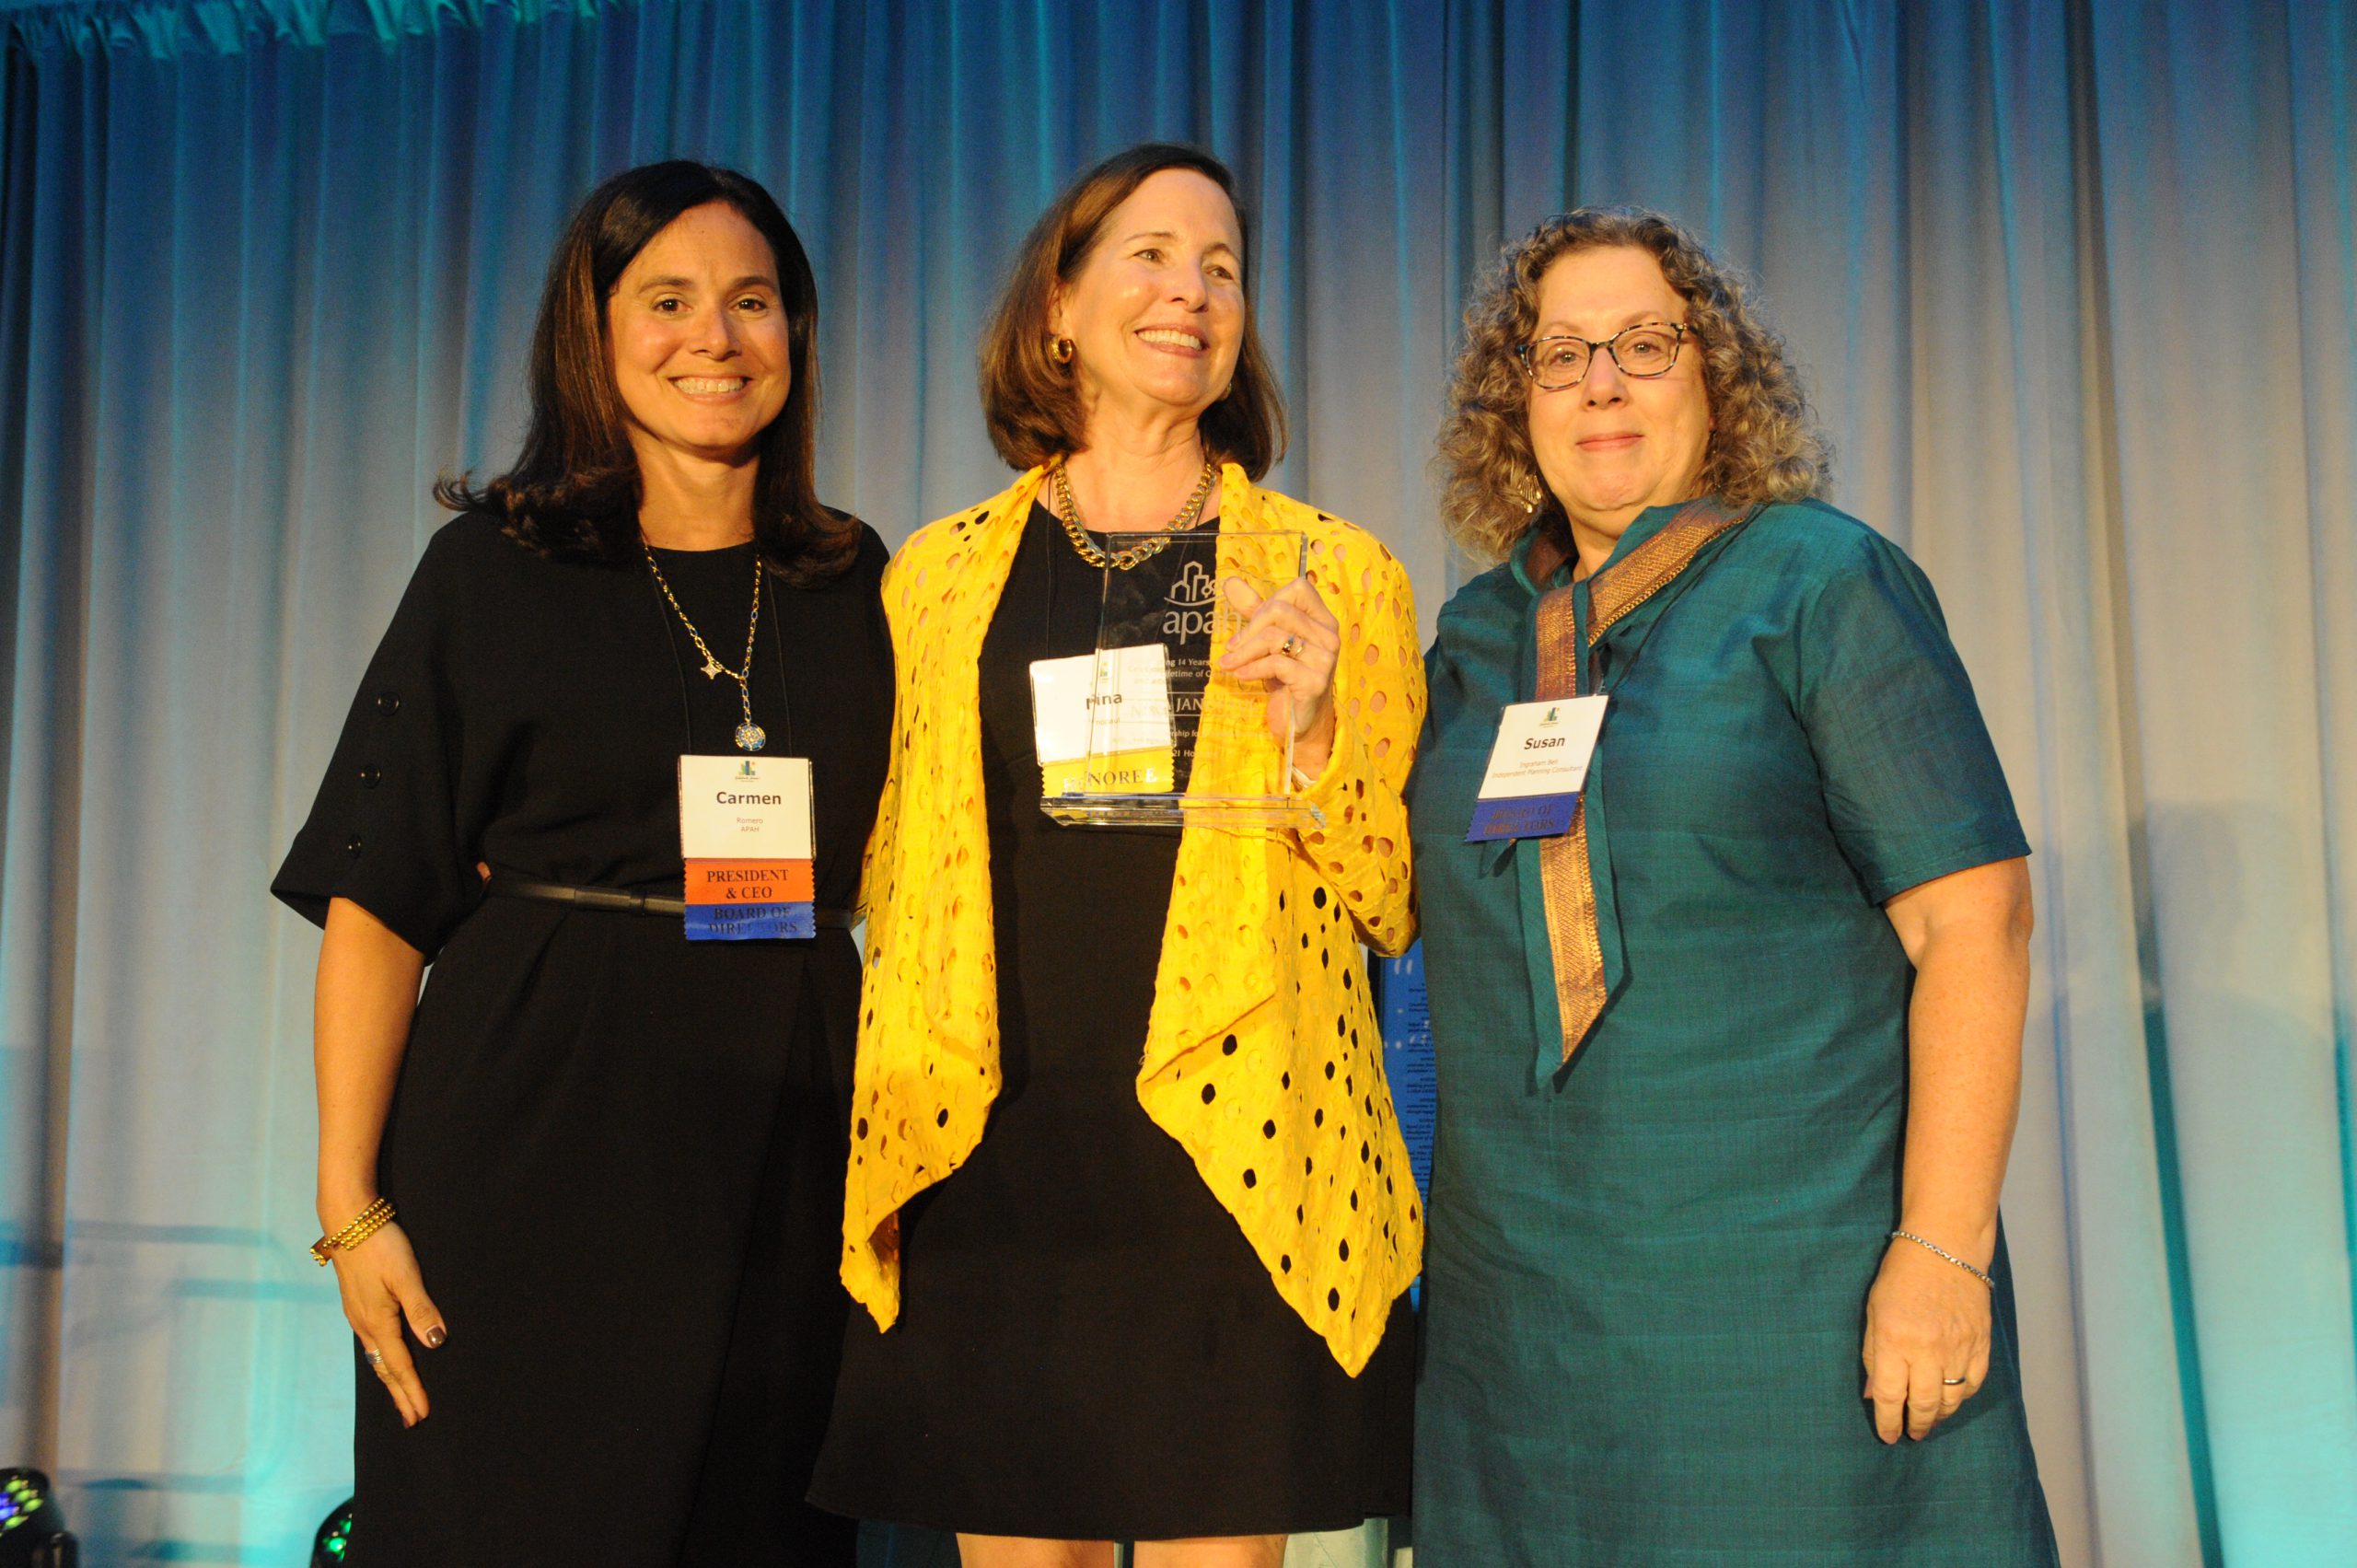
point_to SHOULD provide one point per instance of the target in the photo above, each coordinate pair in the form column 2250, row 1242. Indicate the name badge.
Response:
column 1537, row 767
column 1100, row 721
column 745, row 832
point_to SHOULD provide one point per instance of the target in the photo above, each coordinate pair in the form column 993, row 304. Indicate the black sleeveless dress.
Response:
column 617, row 1153
column 1088, row 1347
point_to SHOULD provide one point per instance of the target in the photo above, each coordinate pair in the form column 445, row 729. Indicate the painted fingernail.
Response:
column 434, row 1336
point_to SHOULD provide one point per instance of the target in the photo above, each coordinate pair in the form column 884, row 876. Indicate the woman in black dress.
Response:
column 1128, row 1207
column 604, row 1326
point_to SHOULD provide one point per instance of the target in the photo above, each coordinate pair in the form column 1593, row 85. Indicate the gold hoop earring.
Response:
column 1061, row 350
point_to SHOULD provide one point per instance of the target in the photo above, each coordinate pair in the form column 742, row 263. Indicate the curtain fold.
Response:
column 2210, row 242
column 2074, row 286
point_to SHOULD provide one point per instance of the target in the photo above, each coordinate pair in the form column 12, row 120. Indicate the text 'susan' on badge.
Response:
column 1536, row 769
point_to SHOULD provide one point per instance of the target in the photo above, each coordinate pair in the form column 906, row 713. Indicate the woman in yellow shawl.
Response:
column 1127, row 1206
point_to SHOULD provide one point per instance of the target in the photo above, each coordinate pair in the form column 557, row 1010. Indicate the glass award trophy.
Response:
column 1165, row 738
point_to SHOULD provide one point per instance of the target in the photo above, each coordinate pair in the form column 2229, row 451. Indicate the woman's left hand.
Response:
column 1291, row 641
column 1927, row 1321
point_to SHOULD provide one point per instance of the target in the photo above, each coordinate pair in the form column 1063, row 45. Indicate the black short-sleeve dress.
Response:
column 617, row 1153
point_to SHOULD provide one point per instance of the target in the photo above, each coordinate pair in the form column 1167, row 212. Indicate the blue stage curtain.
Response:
column 2074, row 285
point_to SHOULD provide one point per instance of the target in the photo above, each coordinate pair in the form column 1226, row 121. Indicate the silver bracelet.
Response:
column 1980, row 1274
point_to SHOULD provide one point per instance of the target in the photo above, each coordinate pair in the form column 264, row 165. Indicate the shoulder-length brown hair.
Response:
column 1029, row 400
column 1763, row 444
column 574, row 493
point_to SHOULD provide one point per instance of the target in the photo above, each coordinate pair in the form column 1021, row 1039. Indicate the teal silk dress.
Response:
column 1646, row 1272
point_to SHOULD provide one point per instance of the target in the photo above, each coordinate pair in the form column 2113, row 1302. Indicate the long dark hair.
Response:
column 574, row 493
column 1029, row 400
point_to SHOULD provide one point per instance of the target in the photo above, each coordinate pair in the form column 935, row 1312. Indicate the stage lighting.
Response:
column 334, row 1537
column 33, row 1527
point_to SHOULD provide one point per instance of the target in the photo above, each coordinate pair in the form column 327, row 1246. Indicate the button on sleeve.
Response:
column 385, row 830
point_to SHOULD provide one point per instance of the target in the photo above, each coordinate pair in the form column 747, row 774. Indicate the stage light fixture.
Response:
column 32, row 1527
column 334, row 1537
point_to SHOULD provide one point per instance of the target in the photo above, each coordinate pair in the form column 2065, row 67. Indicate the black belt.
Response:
column 615, row 901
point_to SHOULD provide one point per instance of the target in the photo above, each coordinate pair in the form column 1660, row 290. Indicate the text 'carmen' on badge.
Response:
column 745, row 834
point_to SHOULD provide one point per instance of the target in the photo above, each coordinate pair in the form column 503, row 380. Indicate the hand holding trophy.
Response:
column 1214, row 646
column 1291, row 641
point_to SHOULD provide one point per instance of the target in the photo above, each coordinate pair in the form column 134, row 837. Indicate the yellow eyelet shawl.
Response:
column 1261, row 998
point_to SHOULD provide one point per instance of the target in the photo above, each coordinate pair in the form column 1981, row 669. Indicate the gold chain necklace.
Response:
column 751, row 737
column 1122, row 560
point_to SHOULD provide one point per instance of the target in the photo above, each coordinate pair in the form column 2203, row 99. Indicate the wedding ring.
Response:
column 1954, row 1382
column 1290, row 647
column 376, row 1359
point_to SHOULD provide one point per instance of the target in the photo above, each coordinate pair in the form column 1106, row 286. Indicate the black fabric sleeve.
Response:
column 384, row 830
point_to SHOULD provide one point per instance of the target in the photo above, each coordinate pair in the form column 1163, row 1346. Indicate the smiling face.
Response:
column 1611, row 445
column 702, row 352
column 1156, row 312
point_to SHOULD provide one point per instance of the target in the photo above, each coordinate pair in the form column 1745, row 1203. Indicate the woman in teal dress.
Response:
column 1729, row 1068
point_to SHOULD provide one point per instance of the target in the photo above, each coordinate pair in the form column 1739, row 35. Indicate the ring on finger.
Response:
column 376, row 1359
column 1954, row 1382
column 1290, row 647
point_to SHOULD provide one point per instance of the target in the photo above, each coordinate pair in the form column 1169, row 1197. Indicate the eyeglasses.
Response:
column 1645, row 351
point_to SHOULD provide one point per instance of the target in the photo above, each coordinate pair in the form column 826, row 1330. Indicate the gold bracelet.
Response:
column 372, row 1219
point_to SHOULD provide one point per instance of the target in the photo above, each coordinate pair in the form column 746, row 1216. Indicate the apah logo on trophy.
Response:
column 1193, row 601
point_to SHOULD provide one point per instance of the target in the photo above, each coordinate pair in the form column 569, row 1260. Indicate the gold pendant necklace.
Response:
column 751, row 737
column 1122, row 560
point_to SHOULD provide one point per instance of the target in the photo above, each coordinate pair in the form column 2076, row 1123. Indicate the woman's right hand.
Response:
column 381, row 1286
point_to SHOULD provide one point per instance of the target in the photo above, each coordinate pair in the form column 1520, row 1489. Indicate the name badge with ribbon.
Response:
column 1101, row 722
column 1537, row 768
column 745, row 829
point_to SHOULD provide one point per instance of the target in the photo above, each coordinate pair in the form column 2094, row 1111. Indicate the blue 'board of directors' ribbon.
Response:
column 1523, row 816
column 750, row 923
